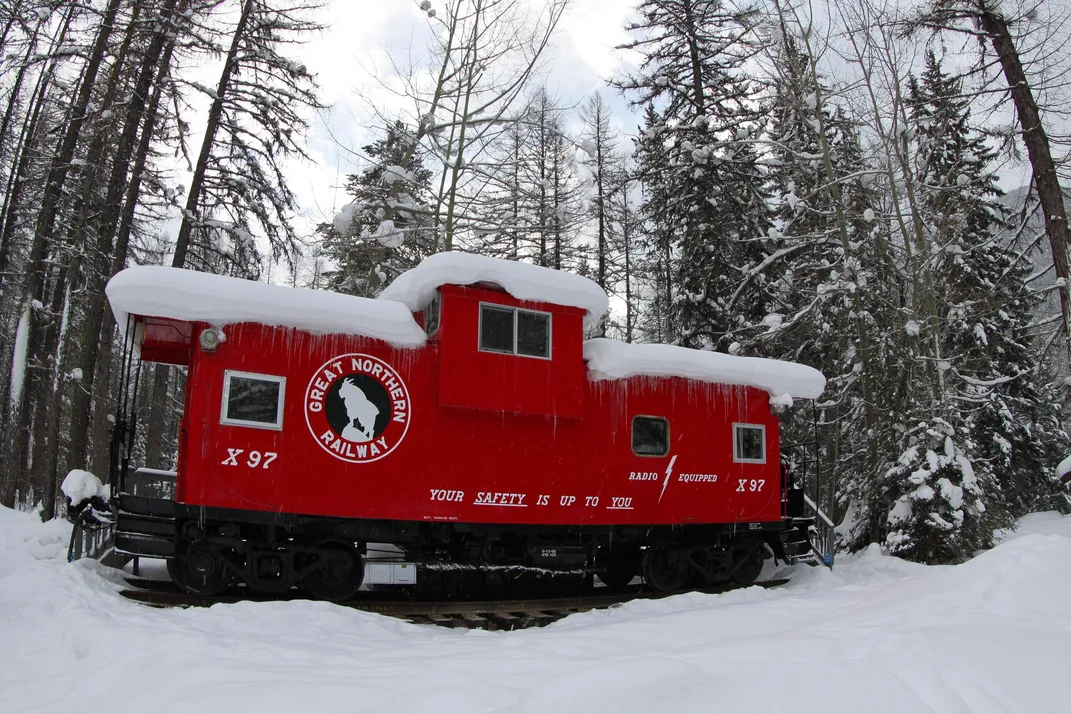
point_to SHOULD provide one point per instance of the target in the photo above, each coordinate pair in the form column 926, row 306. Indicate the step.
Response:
column 148, row 525
column 139, row 544
column 145, row 506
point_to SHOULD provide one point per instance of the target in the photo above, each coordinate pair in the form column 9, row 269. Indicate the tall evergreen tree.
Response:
column 656, row 320
column 603, row 163
column 826, row 276
column 710, row 198
column 386, row 229
column 977, row 456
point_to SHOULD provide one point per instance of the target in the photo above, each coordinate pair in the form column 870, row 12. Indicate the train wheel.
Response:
column 340, row 575
column 664, row 568
column 619, row 565
column 200, row 571
column 750, row 563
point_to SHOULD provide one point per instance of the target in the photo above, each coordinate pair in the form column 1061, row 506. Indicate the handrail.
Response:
column 821, row 514
column 93, row 535
column 823, row 542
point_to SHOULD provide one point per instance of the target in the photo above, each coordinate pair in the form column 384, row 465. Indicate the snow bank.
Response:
column 524, row 281
column 876, row 635
column 610, row 359
column 80, row 485
column 158, row 291
column 1047, row 523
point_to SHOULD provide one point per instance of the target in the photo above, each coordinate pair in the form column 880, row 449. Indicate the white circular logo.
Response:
column 357, row 408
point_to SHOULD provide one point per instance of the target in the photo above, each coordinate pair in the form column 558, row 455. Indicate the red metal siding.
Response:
column 486, row 461
column 509, row 383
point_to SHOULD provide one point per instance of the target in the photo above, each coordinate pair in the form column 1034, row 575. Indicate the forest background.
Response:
column 871, row 188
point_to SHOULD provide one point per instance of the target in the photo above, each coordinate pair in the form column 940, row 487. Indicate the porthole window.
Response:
column 650, row 436
column 514, row 331
column 749, row 443
column 254, row 400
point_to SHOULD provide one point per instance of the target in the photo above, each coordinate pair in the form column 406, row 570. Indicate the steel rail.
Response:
column 468, row 614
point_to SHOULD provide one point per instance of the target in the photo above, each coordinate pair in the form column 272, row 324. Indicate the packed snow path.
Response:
column 877, row 635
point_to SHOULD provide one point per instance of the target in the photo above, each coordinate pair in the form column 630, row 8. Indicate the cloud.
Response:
column 355, row 60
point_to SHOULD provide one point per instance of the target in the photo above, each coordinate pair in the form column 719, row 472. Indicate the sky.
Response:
column 350, row 59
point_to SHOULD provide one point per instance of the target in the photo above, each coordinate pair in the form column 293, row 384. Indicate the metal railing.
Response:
column 93, row 535
column 151, row 483
column 804, row 461
column 823, row 538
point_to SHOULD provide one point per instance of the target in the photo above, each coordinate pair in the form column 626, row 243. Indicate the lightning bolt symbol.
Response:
column 669, row 472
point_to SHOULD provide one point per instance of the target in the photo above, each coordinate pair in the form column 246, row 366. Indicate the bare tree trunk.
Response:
column 693, row 55
column 215, row 113
column 111, row 254
column 49, row 438
column 46, row 225
column 455, row 170
column 16, row 88
column 154, row 436
column 1047, row 182
column 25, row 150
column 626, row 238
column 14, row 12
column 542, row 158
column 100, row 427
column 14, row 433
column 14, row 462
column 61, row 162
column 102, row 379
column 189, row 218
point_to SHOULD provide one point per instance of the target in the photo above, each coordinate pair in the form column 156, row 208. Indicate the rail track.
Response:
column 482, row 615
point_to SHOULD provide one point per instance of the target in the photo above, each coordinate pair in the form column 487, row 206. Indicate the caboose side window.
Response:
column 650, row 436
column 514, row 331
column 496, row 329
column 533, row 333
column 749, row 443
column 254, row 400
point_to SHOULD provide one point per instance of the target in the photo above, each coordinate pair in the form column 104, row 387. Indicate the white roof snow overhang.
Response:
column 610, row 359
column 532, row 283
column 179, row 294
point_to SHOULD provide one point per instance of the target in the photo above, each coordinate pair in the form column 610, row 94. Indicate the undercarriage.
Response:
column 210, row 551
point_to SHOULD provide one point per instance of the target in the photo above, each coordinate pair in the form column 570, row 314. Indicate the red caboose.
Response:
column 460, row 417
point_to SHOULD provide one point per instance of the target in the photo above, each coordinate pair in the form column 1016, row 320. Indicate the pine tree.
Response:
column 827, row 280
column 709, row 199
column 656, row 322
column 256, row 120
column 531, row 206
column 386, row 229
column 603, row 163
column 989, row 306
column 977, row 456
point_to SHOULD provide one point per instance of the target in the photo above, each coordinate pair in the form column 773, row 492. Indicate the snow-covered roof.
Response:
column 610, row 359
column 524, row 281
column 158, row 291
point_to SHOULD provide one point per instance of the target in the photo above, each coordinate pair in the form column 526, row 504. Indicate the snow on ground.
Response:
column 1051, row 523
column 877, row 635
